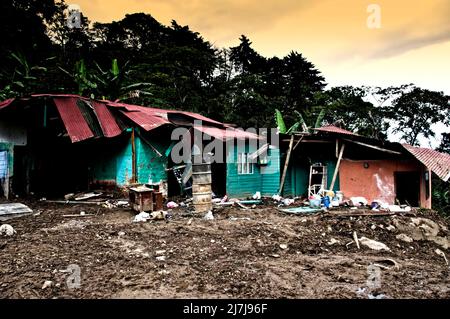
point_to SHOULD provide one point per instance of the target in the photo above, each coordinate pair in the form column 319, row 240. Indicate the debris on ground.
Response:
column 257, row 195
column 141, row 217
column 220, row 259
column 442, row 254
column 208, row 216
column 7, row 230
column 47, row 284
column 13, row 210
column 405, row 238
column 373, row 244
column 172, row 205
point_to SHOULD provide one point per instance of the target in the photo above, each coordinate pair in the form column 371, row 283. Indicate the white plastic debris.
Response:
column 288, row 201
column 398, row 209
column 7, row 230
column 358, row 201
column 208, row 216
column 257, row 195
column 123, row 203
column 277, row 197
column 172, row 205
column 373, row 244
column 141, row 217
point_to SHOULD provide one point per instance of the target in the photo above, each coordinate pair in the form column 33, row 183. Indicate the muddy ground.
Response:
column 188, row 257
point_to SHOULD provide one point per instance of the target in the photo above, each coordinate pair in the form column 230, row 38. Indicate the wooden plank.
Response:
column 374, row 147
column 133, row 154
column 336, row 169
column 291, row 143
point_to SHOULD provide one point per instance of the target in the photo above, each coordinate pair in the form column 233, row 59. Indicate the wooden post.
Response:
column 133, row 154
column 283, row 177
column 336, row 170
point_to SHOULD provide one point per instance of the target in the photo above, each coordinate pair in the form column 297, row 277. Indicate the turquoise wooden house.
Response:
column 74, row 143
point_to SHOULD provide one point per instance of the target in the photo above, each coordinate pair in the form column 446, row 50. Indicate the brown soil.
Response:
column 222, row 258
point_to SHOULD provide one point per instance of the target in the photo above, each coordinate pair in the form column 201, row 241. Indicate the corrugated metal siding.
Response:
column 76, row 126
column 150, row 166
column 334, row 129
column 146, row 121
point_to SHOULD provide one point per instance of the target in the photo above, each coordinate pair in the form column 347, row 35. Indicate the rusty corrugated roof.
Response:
column 334, row 129
column 106, row 119
column 226, row 134
column 6, row 103
column 76, row 125
column 437, row 162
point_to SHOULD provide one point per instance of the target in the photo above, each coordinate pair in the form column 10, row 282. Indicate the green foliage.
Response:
column 280, row 122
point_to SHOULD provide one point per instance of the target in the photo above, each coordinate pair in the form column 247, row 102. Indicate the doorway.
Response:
column 407, row 188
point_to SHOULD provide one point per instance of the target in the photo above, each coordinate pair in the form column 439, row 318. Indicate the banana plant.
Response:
column 81, row 77
column 22, row 80
column 112, row 83
column 299, row 124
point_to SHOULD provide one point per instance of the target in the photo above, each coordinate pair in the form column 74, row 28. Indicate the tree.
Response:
column 444, row 147
column 416, row 110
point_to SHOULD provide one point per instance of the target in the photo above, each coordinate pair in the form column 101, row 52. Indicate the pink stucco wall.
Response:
column 377, row 181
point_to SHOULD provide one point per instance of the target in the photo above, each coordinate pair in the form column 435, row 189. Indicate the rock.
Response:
column 47, row 284
column 373, row 244
column 121, row 233
column 275, row 256
column 160, row 252
column 7, row 230
column 283, row 246
column 160, row 258
column 405, row 238
column 82, row 213
column 390, row 228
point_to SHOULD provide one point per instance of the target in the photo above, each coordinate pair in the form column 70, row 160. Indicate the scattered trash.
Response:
column 171, row 205
column 12, row 210
column 87, row 196
column 160, row 215
column 275, row 256
column 160, row 258
column 283, row 246
column 216, row 200
column 122, row 203
column 442, row 254
column 380, row 296
column 7, row 230
column 160, row 252
column 398, row 209
column 358, row 201
column 47, row 284
column 277, row 197
column 121, row 233
column 82, row 213
column 405, row 238
column 224, row 199
column 257, row 195
column 208, row 216
column 372, row 244
column 355, row 238
column 141, row 217
column 288, row 201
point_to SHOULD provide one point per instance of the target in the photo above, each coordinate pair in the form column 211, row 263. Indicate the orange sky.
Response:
column 412, row 45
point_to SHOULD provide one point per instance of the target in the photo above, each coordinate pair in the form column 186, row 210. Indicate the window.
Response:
column 245, row 166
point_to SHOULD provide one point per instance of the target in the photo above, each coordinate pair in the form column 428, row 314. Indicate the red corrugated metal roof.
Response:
column 334, row 129
column 106, row 119
column 6, row 103
column 73, row 119
column 227, row 134
column 436, row 161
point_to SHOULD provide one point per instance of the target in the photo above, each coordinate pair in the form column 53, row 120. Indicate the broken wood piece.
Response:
column 442, row 254
column 355, row 237
column 288, row 157
column 242, row 206
column 74, row 202
column 87, row 196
